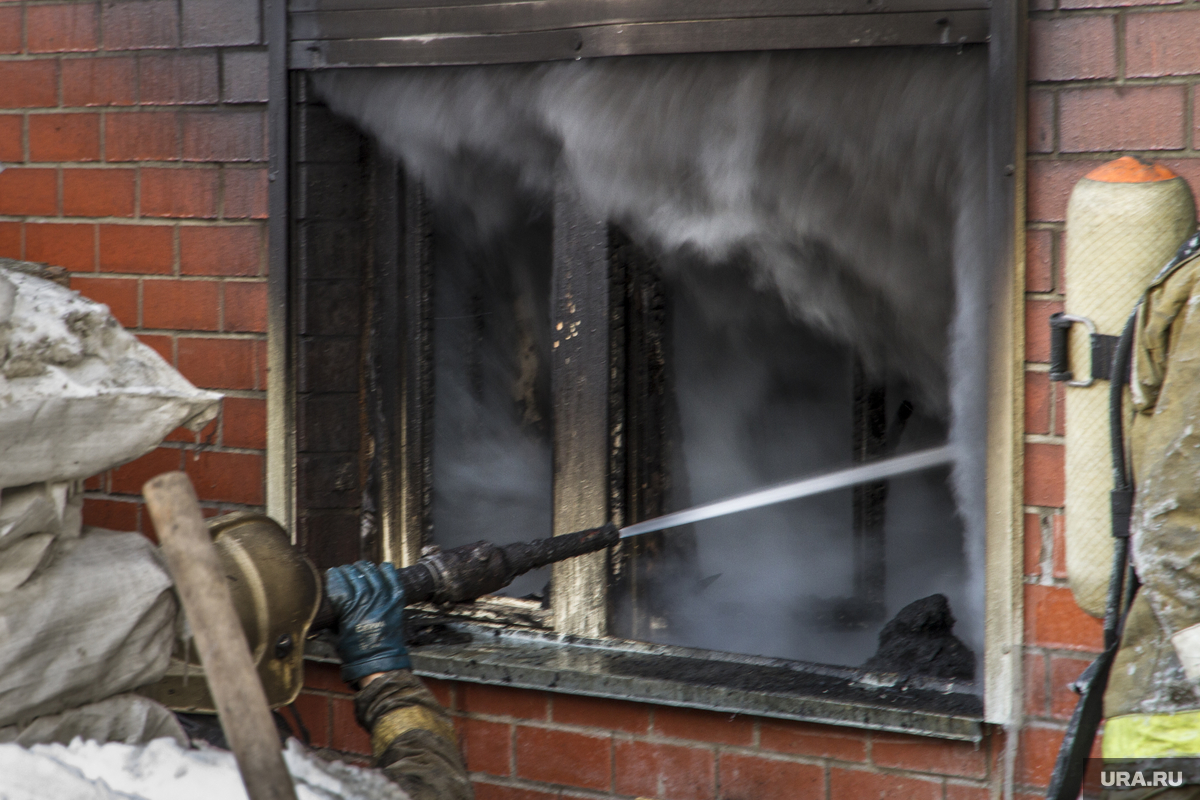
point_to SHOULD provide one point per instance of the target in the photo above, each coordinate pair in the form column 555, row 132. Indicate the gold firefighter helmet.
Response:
column 275, row 591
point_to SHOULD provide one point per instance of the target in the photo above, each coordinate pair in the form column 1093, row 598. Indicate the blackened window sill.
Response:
column 678, row 676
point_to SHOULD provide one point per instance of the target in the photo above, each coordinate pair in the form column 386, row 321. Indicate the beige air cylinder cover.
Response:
column 1125, row 220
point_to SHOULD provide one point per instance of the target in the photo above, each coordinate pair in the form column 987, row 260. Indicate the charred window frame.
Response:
column 317, row 472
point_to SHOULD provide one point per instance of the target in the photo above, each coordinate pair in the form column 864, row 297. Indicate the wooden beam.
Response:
column 641, row 38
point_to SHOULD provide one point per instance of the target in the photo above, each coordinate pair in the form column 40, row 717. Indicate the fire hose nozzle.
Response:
column 464, row 573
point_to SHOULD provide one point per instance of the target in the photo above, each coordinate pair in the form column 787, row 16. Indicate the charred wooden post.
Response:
column 579, row 386
column 870, row 499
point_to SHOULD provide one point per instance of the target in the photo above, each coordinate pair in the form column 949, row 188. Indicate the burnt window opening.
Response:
column 434, row 405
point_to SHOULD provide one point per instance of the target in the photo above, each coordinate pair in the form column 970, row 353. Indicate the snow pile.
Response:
column 163, row 770
column 78, row 393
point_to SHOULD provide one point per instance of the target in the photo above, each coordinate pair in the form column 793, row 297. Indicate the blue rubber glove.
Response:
column 369, row 601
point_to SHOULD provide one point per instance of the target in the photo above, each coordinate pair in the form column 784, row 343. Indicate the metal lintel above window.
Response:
column 363, row 33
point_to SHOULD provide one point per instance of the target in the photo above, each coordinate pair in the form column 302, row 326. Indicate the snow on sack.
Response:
column 78, row 393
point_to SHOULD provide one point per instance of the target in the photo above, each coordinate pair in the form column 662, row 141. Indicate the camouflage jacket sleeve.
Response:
column 412, row 738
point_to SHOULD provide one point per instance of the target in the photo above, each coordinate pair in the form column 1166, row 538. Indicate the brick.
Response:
column 490, row 791
column 321, row 676
column 99, row 192
column 12, row 138
column 1037, row 402
column 346, row 734
column 244, row 423
column 1040, row 126
column 503, row 702
column 704, row 726
column 1072, row 48
column 875, row 786
column 443, row 691
column 328, row 423
column 314, row 712
column 1058, row 532
column 244, row 76
column 161, row 344
column 227, row 477
column 61, row 28
column 921, row 754
column 119, row 294
column 129, row 478
column 487, row 746
column 1130, row 118
column 220, row 363
column 64, row 137
column 1044, row 477
column 224, row 136
column 245, row 194
column 231, row 251
column 10, row 29
column 959, row 791
column 664, row 770
column 822, row 741
column 144, row 249
column 178, row 79
column 1033, row 544
column 1037, row 700
column 141, row 136
column 1059, row 400
column 28, row 191
column 1063, row 672
column 220, row 22
column 1037, row 328
column 609, row 714
column 1039, row 260
column 1075, row 4
column 207, row 436
column 182, row 193
column 62, row 244
column 113, row 515
column 29, row 84
column 571, row 759
column 1162, row 44
column 245, row 307
column 1053, row 620
column 1036, row 754
column 138, row 25
column 10, row 240
column 180, row 305
column 750, row 778
column 98, row 82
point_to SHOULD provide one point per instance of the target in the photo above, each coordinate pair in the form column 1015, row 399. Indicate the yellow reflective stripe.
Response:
column 1152, row 736
column 396, row 723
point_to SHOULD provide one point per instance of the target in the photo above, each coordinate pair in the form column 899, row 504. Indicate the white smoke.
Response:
column 848, row 184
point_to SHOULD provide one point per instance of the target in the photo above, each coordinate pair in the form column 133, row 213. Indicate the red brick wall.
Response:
column 527, row 745
column 133, row 140
column 1106, row 79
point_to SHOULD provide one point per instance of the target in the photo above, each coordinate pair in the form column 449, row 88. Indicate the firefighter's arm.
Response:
column 1165, row 446
column 411, row 735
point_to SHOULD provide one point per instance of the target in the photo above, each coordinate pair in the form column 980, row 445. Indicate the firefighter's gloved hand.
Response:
column 369, row 601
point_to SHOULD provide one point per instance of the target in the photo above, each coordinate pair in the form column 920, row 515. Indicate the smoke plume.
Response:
column 845, row 187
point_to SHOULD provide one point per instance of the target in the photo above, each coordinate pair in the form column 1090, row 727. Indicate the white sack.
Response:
column 99, row 620
column 162, row 770
column 78, row 393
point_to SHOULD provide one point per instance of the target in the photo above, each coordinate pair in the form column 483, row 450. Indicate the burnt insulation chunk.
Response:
column 919, row 641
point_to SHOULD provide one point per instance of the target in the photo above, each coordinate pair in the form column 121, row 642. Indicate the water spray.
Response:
column 464, row 573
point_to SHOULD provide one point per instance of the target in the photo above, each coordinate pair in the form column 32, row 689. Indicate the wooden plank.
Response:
column 387, row 20
column 579, row 385
column 658, row 10
column 714, row 36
